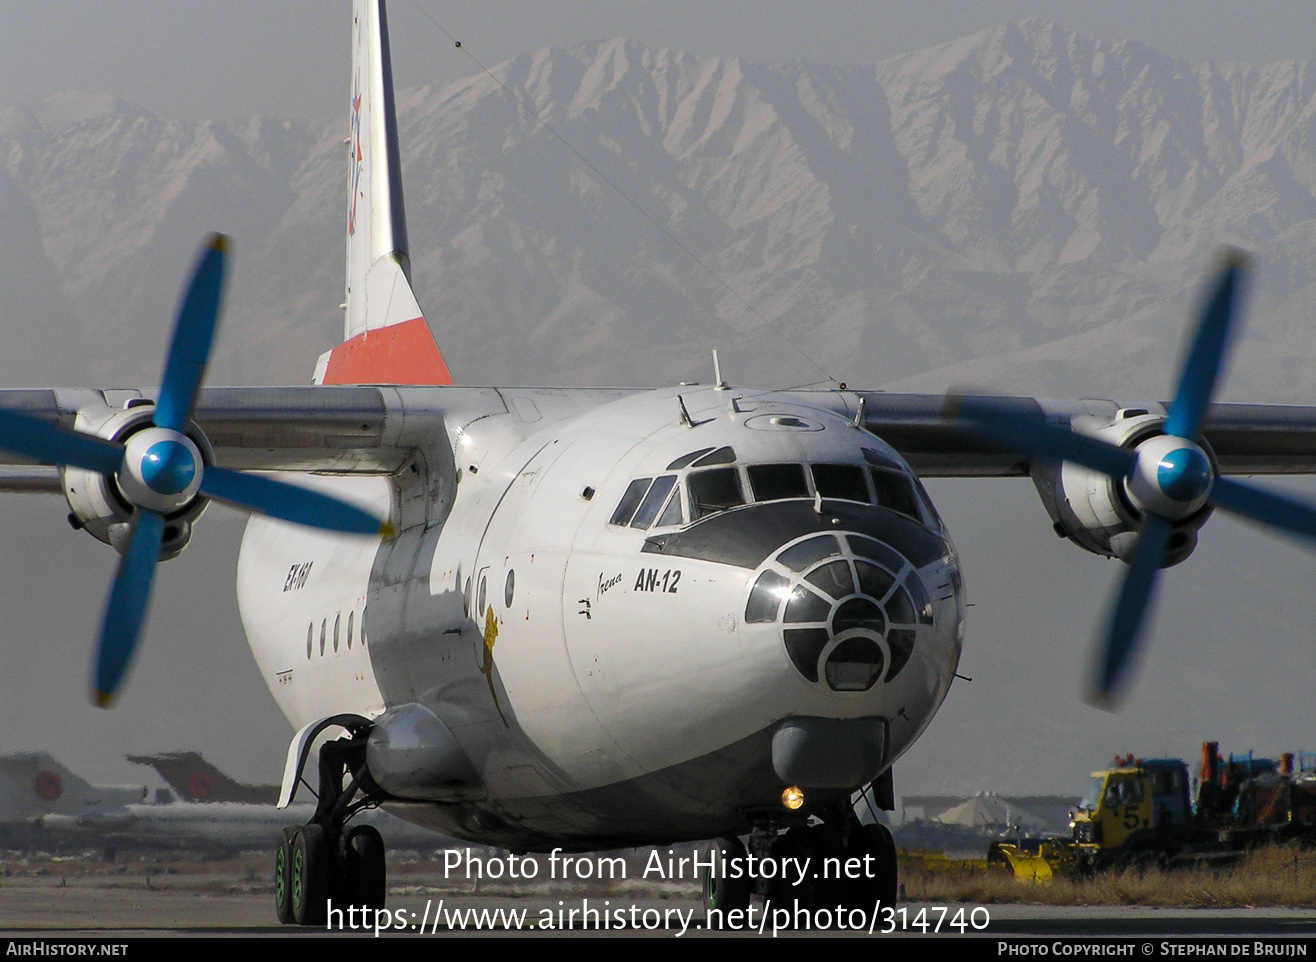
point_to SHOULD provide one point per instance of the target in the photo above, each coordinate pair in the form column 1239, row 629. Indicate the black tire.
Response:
column 724, row 892
column 365, row 877
column 783, row 892
column 880, row 880
column 283, row 876
column 311, row 873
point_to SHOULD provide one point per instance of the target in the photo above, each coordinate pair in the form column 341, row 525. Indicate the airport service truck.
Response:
column 1139, row 813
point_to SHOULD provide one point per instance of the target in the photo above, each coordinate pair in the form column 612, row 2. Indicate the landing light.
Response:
column 792, row 798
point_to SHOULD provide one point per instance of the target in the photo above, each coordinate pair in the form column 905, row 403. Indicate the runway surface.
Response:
column 235, row 898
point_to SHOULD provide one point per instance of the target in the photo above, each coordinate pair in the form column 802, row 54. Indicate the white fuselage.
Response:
column 613, row 671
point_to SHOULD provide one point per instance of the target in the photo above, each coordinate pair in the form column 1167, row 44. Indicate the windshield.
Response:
column 1093, row 795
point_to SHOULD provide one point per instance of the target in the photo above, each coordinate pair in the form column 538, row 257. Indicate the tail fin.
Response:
column 196, row 780
column 386, row 337
column 33, row 784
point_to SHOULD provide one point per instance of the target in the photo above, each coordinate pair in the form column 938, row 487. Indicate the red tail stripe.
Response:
column 401, row 354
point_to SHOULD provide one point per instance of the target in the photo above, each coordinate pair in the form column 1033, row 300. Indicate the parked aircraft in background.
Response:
column 44, row 804
column 34, row 785
column 194, row 779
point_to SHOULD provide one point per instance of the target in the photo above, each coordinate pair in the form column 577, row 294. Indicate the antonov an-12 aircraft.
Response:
column 588, row 619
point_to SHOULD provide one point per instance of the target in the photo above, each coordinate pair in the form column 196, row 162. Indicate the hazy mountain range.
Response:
column 1024, row 208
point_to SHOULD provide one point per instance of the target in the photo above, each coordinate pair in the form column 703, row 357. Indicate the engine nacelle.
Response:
column 1095, row 511
column 98, row 504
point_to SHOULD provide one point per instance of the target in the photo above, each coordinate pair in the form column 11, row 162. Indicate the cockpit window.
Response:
column 684, row 460
column 630, row 501
column 928, row 506
column 714, row 491
column 672, row 514
column 654, row 501
column 720, row 456
column 844, row 482
column 773, row 482
column 895, row 491
column 884, row 480
column 878, row 459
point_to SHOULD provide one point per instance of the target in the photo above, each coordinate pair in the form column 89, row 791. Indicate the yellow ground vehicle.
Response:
column 1138, row 813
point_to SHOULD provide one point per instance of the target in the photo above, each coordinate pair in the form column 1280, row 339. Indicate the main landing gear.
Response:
column 323, row 861
column 851, row 866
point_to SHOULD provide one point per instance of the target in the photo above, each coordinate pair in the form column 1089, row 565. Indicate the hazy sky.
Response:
column 197, row 686
column 288, row 57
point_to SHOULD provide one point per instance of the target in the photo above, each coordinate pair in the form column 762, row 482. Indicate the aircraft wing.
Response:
column 374, row 430
column 1246, row 438
column 340, row 430
column 343, row 429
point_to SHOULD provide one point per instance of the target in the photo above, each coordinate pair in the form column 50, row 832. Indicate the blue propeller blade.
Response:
column 288, row 502
column 44, row 442
column 1205, row 359
column 125, row 613
column 1003, row 424
column 1266, row 507
column 194, row 333
column 1129, row 615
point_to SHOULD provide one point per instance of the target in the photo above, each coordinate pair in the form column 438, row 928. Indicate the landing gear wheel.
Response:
column 725, row 888
column 364, row 874
column 311, row 869
column 829, row 890
column 873, row 845
column 283, row 876
column 792, row 849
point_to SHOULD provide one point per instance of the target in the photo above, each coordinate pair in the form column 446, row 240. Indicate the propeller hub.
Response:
column 1184, row 474
column 168, row 467
column 1172, row 478
column 161, row 470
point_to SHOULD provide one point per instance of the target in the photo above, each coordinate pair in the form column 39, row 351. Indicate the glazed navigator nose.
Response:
column 849, row 609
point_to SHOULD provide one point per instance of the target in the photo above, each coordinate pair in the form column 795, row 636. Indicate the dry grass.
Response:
column 1276, row 876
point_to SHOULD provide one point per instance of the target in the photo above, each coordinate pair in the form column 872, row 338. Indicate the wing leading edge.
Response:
column 376, row 429
column 1246, row 438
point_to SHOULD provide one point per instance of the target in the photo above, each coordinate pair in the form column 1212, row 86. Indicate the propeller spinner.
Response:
column 1168, row 477
column 160, row 470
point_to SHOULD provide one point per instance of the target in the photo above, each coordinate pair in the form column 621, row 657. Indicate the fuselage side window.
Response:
column 714, row 491
column 843, row 482
column 773, row 482
column 630, row 501
column 654, row 501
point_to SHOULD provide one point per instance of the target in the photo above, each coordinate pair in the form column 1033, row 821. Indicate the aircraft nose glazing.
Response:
column 849, row 609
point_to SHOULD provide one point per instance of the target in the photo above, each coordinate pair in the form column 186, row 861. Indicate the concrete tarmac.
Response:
column 42, row 899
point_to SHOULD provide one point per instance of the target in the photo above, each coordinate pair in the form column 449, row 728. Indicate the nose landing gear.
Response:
column 850, row 867
column 819, row 874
